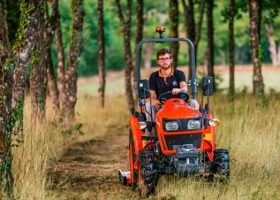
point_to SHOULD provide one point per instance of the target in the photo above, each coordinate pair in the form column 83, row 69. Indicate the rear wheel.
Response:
column 132, row 157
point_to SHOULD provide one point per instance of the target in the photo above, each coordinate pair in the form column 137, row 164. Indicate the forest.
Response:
column 68, row 70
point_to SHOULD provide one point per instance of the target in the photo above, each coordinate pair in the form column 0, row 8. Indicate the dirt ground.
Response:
column 89, row 170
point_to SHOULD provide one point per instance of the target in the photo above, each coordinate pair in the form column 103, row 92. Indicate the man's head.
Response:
column 162, row 52
column 164, row 58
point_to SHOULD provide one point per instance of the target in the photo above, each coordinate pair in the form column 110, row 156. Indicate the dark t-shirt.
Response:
column 157, row 83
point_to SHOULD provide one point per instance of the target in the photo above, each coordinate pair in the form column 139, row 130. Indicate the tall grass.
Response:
column 251, row 134
column 45, row 143
column 42, row 144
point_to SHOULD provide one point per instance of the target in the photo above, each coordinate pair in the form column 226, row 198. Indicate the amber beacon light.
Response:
column 160, row 30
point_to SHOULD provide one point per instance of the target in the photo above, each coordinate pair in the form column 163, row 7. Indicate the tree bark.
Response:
column 6, row 82
column 60, row 51
column 148, row 51
column 51, row 79
column 174, row 24
column 231, row 50
column 38, row 72
column 258, row 84
column 139, row 31
column 210, row 40
column 101, row 54
column 273, row 49
column 193, row 31
column 190, row 27
column 126, row 35
column 69, row 97
column 22, row 53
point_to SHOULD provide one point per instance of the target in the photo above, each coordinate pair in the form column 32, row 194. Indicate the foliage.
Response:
column 12, row 18
column 156, row 13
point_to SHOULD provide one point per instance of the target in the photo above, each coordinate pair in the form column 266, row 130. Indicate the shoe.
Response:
column 150, row 129
column 149, row 125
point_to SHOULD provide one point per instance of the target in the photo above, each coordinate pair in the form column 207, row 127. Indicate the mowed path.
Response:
column 89, row 170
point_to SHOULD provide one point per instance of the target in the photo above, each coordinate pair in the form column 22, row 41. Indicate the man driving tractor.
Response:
column 161, row 81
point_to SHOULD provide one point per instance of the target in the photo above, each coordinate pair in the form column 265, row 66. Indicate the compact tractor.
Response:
column 184, row 143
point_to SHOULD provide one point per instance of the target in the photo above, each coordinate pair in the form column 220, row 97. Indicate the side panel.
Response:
column 136, row 134
column 209, row 139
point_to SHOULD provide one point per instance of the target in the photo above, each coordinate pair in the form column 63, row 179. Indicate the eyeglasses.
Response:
column 164, row 59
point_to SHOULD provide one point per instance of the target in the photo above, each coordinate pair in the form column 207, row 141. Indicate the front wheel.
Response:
column 149, row 172
column 221, row 165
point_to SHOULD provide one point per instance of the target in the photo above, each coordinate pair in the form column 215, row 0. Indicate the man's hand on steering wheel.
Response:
column 176, row 90
column 162, row 98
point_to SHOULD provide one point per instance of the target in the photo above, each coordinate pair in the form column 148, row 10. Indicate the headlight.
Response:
column 194, row 124
column 172, row 126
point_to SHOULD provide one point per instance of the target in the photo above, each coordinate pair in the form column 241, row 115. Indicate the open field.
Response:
column 81, row 161
column 243, row 79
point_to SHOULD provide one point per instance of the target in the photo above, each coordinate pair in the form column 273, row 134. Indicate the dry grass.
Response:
column 251, row 134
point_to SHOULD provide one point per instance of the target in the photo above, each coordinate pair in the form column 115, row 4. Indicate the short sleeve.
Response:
column 152, row 82
column 181, row 76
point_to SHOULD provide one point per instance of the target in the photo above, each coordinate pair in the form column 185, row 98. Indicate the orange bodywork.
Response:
column 174, row 108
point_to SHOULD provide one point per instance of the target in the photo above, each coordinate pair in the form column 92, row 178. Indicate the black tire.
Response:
column 221, row 164
column 149, row 172
column 134, row 156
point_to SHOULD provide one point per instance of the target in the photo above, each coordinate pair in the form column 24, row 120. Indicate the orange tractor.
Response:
column 184, row 144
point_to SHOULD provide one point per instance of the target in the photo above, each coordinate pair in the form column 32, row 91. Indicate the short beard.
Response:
column 166, row 68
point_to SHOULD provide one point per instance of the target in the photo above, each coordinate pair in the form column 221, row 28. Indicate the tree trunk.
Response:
column 51, row 79
column 101, row 54
column 23, row 52
column 52, row 85
column 6, row 82
column 210, row 39
column 148, row 51
column 37, row 77
column 258, row 84
column 69, row 97
column 60, row 51
column 193, row 31
column 190, row 27
column 231, row 50
column 274, row 51
column 174, row 24
column 126, row 35
column 139, row 31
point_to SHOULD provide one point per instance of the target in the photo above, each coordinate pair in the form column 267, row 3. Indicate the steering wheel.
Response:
column 163, row 97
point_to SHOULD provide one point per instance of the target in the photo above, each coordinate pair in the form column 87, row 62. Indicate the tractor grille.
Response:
column 194, row 139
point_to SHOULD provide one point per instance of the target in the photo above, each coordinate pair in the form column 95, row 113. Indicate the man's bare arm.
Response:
column 183, row 88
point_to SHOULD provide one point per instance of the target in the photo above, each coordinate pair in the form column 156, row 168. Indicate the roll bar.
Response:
column 162, row 40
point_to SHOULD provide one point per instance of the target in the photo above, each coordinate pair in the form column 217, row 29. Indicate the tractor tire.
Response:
column 221, row 165
column 149, row 173
column 132, row 157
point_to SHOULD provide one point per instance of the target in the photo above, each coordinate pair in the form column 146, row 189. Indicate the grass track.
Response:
column 59, row 163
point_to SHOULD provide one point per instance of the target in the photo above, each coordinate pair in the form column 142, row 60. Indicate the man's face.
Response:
column 164, row 61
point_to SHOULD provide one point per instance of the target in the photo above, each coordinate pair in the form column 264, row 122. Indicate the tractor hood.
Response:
column 177, row 108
